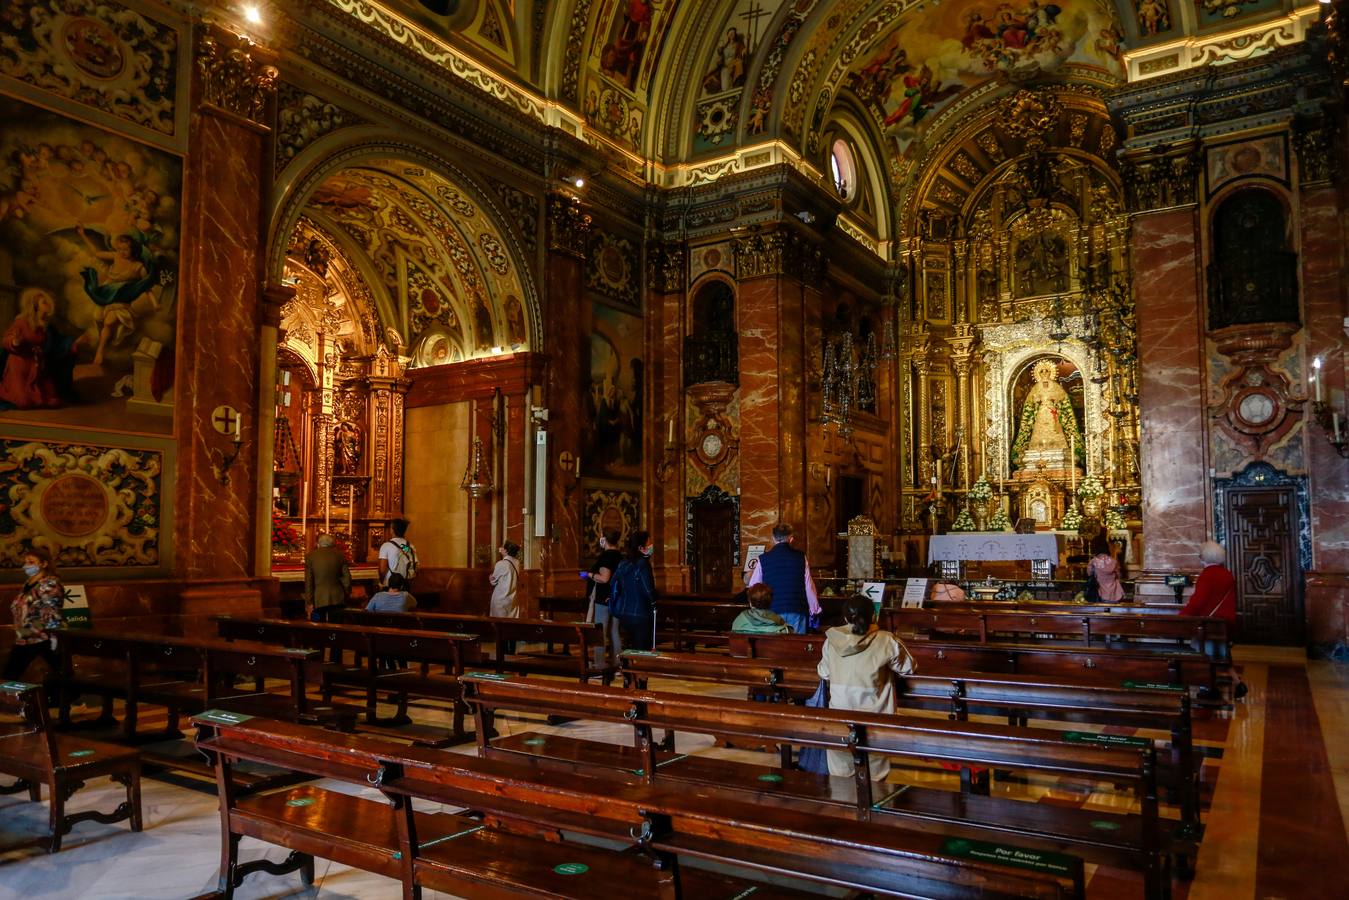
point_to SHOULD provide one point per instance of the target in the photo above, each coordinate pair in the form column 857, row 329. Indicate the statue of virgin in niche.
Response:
column 1047, row 434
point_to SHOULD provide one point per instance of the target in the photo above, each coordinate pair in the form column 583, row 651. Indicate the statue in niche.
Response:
column 347, row 449
column 1047, row 435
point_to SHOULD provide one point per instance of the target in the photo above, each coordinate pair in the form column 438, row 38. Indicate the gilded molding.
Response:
column 1314, row 143
column 1152, row 183
column 665, row 267
column 236, row 75
column 568, row 226
column 778, row 252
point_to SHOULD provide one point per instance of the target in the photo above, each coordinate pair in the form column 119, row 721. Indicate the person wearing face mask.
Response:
column 633, row 598
column 601, row 576
column 37, row 610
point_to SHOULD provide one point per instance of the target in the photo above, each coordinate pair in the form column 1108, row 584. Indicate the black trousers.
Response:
column 23, row 655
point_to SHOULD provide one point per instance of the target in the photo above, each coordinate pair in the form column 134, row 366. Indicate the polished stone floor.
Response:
column 1276, row 776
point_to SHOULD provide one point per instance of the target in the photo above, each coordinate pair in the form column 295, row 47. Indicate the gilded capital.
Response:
column 236, row 74
column 568, row 225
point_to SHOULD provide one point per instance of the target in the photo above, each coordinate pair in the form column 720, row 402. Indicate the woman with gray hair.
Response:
column 327, row 579
column 1215, row 594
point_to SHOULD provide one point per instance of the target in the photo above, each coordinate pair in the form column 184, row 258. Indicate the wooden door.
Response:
column 713, row 547
column 1262, row 552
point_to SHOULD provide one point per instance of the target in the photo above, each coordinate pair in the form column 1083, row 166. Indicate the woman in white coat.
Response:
column 860, row 662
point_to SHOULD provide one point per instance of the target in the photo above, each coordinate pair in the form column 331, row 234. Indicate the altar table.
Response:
column 987, row 546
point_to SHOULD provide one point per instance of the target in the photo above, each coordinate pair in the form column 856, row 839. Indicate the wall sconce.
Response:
column 227, row 421
column 1328, row 420
column 570, row 465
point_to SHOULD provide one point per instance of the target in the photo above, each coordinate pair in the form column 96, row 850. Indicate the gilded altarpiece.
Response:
column 1018, row 338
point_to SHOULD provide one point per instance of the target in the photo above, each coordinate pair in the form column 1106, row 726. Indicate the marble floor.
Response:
column 1276, row 776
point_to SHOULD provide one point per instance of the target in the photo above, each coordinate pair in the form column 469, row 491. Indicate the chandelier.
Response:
column 478, row 476
column 848, row 379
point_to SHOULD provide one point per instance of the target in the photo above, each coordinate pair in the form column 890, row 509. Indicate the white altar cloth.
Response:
column 992, row 545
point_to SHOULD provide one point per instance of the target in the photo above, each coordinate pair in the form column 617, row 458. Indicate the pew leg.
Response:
column 133, row 796
column 306, row 870
column 57, row 819
column 972, row 782
column 667, row 882
column 785, row 755
column 35, row 791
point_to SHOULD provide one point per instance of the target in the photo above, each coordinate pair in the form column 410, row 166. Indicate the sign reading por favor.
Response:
column 1054, row 863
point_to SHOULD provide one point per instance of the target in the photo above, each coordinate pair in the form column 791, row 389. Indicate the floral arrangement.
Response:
column 1090, row 488
column 284, row 535
column 1072, row 519
column 1114, row 520
column 981, row 491
column 963, row 522
column 999, row 522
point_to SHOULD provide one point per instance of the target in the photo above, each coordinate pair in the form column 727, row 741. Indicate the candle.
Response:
column 938, row 472
column 578, row 465
column 1335, row 425
column 328, row 508
column 1072, row 462
column 238, row 430
column 304, row 512
column 351, row 516
column 983, row 458
column 828, row 475
column 1316, row 377
column 669, row 442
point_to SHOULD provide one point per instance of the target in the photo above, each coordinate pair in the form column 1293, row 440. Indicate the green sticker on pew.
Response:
column 1054, row 863
column 82, row 753
column 1109, row 740
column 223, row 717
column 536, row 742
column 771, row 778
column 301, row 801
column 491, row 676
column 16, row 686
column 571, row 868
column 1101, row 825
column 641, row 653
column 1155, row 686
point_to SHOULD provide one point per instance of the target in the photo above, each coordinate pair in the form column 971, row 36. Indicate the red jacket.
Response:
column 1215, row 594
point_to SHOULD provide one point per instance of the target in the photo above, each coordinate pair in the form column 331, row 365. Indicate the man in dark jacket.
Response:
column 327, row 579
column 787, row 571
column 633, row 599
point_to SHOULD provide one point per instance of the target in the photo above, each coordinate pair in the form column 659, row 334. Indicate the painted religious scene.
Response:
column 90, row 225
column 614, row 396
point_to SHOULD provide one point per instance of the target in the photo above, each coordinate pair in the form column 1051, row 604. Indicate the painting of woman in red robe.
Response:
column 36, row 361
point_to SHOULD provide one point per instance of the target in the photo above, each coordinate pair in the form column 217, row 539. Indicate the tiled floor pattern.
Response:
column 177, row 855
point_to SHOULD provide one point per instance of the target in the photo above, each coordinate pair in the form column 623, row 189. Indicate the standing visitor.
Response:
column 327, row 580
column 787, row 571
column 633, row 600
column 398, row 555
column 859, row 662
column 601, row 576
column 505, row 580
column 37, row 611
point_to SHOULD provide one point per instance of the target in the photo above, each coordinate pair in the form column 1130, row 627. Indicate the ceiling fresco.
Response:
column 454, row 289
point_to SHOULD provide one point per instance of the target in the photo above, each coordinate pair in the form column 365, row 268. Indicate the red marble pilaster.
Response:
column 761, row 400
column 567, row 338
column 1322, row 258
column 665, row 491
column 218, row 346
column 1171, row 390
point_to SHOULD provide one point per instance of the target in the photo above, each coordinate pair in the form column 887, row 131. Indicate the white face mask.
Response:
column 31, row 571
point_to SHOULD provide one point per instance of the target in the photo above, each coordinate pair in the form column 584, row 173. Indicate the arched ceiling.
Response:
column 447, row 285
column 678, row 81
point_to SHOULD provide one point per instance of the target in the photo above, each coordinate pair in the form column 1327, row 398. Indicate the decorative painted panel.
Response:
column 614, row 396
column 606, row 507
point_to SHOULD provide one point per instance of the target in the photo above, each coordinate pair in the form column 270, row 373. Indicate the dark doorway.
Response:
column 849, row 503
column 1262, row 552
column 714, row 541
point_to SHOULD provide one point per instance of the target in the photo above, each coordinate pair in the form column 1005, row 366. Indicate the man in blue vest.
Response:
column 786, row 570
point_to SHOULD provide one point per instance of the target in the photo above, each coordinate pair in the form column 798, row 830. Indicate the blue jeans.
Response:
column 798, row 621
column 613, row 638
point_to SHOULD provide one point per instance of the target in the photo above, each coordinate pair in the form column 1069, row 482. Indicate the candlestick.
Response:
column 328, row 509
column 1335, row 424
column 983, row 458
column 238, row 430
column 1072, row 463
column 351, row 516
column 670, row 442
column 304, row 513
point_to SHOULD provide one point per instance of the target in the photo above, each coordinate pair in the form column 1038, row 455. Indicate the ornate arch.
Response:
column 345, row 150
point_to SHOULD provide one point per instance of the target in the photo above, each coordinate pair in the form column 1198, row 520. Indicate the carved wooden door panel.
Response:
column 1262, row 553
column 713, row 547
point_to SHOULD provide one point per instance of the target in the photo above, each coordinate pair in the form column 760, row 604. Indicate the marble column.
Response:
column 1322, row 258
column 269, row 338
column 1171, row 394
column 664, row 489
column 567, row 340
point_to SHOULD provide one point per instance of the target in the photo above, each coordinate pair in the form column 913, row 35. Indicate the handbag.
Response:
column 815, row 759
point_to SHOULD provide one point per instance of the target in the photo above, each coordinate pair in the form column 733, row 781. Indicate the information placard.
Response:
column 75, row 610
column 915, row 592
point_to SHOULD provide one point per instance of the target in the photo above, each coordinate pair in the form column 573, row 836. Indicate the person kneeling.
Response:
column 760, row 618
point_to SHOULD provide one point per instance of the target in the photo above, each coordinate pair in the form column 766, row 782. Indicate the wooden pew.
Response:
column 1173, row 666
column 1135, row 841
column 1018, row 698
column 1087, row 629
column 371, row 648
column 684, row 624
column 187, row 675
column 664, row 828
column 36, row 755
column 582, row 665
